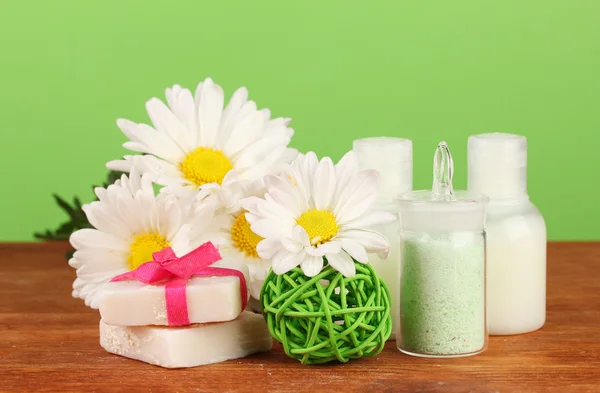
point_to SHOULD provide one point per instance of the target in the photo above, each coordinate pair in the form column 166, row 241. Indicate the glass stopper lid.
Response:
column 443, row 169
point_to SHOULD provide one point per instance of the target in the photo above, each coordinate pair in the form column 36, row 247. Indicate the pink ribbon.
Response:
column 176, row 272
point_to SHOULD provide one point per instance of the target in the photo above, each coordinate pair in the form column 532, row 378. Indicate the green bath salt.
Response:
column 442, row 293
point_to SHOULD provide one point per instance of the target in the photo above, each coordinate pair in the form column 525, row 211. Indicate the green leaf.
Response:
column 65, row 206
column 77, row 218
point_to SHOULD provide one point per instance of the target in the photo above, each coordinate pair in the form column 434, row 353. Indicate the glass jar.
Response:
column 442, row 274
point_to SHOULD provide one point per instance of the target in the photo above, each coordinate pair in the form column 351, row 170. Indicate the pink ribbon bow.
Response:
column 176, row 272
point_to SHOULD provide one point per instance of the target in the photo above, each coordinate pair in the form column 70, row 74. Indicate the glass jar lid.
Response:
column 442, row 209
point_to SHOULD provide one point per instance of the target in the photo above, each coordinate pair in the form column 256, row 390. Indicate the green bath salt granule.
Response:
column 442, row 295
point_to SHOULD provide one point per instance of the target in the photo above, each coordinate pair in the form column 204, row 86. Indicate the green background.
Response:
column 424, row 70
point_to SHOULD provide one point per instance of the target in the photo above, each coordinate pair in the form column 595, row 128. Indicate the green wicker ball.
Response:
column 327, row 317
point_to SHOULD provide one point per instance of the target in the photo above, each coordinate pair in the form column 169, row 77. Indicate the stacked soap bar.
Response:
column 134, row 323
column 209, row 299
column 188, row 346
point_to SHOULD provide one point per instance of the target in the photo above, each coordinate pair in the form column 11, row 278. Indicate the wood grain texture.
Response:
column 49, row 343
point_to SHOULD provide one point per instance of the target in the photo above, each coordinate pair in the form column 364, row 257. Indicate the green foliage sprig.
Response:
column 77, row 219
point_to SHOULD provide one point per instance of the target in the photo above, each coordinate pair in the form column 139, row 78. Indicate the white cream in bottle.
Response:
column 392, row 158
column 516, row 234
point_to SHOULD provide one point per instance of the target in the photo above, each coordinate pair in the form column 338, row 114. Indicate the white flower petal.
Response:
column 167, row 123
column 262, row 148
column 345, row 170
column 301, row 236
column 210, row 109
column 182, row 104
column 180, row 242
column 269, row 209
column 296, row 181
column 258, row 273
column 268, row 228
column 358, row 196
column 104, row 221
column 275, row 210
column 237, row 101
column 93, row 238
column 311, row 265
column 268, row 247
column 314, row 251
column 324, row 184
column 89, row 291
column 331, row 247
column 97, row 260
column 245, row 131
column 372, row 241
column 251, row 204
column 371, row 219
column 286, row 200
column 284, row 261
column 306, row 165
column 148, row 140
column 342, row 263
column 355, row 250
column 251, row 218
column 291, row 245
column 285, row 193
column 160, row 171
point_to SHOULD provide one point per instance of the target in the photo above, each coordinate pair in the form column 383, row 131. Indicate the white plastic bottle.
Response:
column 516, row 234
column 392, row 158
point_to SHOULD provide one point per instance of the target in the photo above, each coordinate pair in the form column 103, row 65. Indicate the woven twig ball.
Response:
column 327, row 317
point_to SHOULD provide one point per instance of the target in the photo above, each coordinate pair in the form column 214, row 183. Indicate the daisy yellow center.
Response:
column 205, row 165
column 319, row 224
column 142, row 248
column 243, row 238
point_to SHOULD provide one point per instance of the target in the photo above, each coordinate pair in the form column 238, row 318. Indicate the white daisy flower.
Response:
column 130, row 224
column 230, row 220
column 317, row 212
column 196, row 142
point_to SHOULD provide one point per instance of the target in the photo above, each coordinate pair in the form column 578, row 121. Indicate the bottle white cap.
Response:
column 393, row 159
column 498, row 165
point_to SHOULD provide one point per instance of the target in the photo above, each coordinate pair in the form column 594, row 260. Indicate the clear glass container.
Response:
column 442, row 275
column 392, row 158
column 516, row 234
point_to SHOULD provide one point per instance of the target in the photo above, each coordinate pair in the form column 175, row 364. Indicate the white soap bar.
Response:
column 189, row 346
column 209, row 299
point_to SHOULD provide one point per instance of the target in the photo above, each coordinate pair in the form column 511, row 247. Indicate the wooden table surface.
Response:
column 49, row 343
